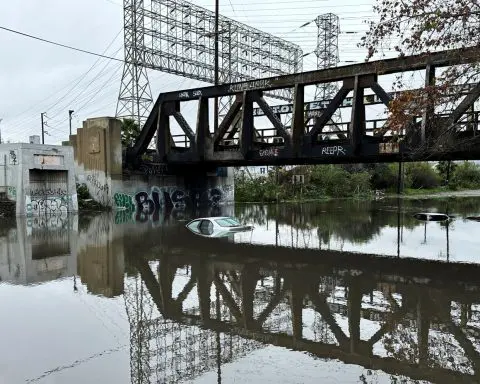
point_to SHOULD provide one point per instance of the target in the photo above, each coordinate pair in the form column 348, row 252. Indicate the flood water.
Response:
column 336, row 292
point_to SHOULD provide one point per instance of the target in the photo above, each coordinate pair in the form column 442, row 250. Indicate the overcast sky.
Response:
column 36, row 77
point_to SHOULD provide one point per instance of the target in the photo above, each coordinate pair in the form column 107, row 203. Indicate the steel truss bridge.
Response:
column 427, row 312
column 312, row 136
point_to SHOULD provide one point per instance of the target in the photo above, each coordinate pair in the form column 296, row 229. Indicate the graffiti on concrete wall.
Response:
column 12, row 193
column 98, row 188
column 49, row 192
column 148, row 205
column 47, row 205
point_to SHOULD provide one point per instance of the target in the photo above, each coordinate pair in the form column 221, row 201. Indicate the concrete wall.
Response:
column 98, row 160
column 45, row 162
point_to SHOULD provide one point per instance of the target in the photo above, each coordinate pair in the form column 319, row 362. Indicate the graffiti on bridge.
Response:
column 148, row 206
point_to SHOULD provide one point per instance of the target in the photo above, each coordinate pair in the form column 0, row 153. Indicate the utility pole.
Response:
column 70, row 121
column 216, row 69
column 43, row 127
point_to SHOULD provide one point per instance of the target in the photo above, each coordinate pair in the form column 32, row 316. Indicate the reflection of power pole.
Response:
column 425, row 233
column 399, row 202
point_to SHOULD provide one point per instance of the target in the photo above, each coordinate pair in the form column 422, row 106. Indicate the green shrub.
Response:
column 383, row 177
column 422, row 175
column 82, row 192
column 466, row 175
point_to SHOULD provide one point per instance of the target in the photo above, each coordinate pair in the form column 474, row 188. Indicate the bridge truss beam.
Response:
column 238, row 142
column 177, row 37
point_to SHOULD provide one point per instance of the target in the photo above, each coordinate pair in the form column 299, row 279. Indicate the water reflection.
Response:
column 37, row 250
column 386, row 227
column 307, row 295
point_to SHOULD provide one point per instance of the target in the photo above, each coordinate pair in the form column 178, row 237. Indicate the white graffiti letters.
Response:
column 336, row 150
column 264, row 83
column 271, row 152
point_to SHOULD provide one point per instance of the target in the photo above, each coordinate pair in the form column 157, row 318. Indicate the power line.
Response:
column 59, row 44
column 72, row 85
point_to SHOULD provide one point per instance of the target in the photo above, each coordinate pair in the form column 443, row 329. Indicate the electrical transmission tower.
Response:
column 328, row 29
column 177, row 37
column 135, row 98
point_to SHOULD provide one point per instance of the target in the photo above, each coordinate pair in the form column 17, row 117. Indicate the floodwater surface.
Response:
column 336, row 292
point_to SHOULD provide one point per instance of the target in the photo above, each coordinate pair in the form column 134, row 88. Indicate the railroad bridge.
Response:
column 346, row 129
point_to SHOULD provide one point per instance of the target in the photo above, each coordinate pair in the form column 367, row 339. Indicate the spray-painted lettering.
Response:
column 97, row 185
column 335, row 150
column 50, row 192
column 271, row 152
column 146, row 206
column 240, row 87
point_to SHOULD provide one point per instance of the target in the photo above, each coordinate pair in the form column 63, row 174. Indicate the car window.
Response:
column 228, row 222
column 194, row 226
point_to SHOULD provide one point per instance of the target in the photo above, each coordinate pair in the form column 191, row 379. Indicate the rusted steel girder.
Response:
column 300, row 142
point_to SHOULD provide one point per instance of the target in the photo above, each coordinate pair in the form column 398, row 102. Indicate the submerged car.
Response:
column 431, row 216
column 217, row 226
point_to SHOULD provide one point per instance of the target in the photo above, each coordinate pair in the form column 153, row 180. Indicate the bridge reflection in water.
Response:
column 195, row 304
column 199, row 303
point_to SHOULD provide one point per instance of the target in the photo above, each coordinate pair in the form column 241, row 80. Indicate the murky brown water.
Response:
column 338, row 292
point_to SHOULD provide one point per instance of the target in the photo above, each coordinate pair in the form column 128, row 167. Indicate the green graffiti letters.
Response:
column 122, row 200
column 12, row 193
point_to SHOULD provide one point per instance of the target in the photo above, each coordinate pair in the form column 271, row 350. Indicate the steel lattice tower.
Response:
column 135, row 98
column 177, row 37
column 328, row 29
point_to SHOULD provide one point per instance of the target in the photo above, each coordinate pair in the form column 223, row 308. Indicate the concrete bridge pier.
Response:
column 146, row 193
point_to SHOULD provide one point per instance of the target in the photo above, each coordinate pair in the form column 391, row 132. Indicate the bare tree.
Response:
column 412, row 27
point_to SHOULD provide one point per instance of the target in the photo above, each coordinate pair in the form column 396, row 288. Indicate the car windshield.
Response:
column 228, row 222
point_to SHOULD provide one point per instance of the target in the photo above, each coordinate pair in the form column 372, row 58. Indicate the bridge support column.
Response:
column 423, row 326
column 354, row 305
column 98, row 157
column 297, row 310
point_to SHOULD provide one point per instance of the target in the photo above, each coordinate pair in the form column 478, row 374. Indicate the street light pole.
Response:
column 216, row 64
column 70, row 121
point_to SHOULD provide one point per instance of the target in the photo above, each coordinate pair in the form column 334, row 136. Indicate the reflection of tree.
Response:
column 352, row 220
column 401, row 343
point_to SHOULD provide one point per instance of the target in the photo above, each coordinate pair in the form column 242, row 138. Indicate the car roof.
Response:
column 214, row 218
